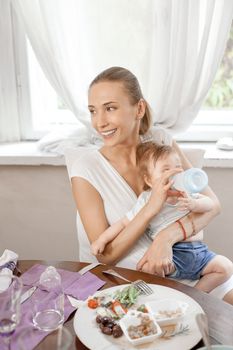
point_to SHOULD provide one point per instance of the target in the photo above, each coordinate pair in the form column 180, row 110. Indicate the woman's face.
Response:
column 112, row 114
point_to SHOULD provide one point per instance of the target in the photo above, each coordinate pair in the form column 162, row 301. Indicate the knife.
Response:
column 88, row 267
column 27, row 294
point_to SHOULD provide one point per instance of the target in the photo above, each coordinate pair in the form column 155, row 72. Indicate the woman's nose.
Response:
column 101, row 120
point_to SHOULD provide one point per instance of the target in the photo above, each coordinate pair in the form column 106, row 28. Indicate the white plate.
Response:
column 90, row 335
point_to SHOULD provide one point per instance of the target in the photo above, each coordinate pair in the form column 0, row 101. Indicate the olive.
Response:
column 105, row 320
column 98, row 319
column 117, row 331
column 107, row 330
column 111, row 324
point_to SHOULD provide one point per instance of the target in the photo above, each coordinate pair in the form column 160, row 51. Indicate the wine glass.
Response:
column 9, row 307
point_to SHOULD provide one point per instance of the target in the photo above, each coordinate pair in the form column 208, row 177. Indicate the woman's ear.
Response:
column 141, row 108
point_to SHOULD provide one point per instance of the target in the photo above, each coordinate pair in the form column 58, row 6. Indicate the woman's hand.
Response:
column 158, row 258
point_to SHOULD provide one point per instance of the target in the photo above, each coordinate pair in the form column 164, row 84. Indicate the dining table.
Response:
column 219, row 313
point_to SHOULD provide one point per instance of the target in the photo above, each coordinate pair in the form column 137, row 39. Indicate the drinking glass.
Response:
column 48, row 312
column 9, row 307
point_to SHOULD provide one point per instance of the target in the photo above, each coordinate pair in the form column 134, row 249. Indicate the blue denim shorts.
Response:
column 190, row 258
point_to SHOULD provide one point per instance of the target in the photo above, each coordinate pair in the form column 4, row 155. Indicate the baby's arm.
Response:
column 97, row 247
column 198, row 204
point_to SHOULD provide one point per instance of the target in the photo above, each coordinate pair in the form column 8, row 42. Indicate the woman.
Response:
column 106, row 182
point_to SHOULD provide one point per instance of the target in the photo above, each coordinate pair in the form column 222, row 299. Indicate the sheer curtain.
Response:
column 9, row 115
column 55, row 31
column 173, row 46
column 188, row 42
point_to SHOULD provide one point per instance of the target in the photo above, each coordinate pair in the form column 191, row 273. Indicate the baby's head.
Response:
column 153, row 159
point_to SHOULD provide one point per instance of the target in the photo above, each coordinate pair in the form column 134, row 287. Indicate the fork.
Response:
column 141, row 285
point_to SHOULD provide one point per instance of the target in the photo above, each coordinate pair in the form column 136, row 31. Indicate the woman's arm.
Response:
column 91, row 210
column 98, row 246
column 158, row 257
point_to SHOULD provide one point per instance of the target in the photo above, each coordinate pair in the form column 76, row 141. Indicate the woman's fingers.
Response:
column 141, row 262
column 161, row 269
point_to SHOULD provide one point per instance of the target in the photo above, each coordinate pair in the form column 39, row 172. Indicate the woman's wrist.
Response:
column 170, row 235
column 176, row 232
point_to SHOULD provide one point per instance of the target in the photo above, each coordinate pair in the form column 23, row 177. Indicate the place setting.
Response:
column 167, row 315
column 37, row 304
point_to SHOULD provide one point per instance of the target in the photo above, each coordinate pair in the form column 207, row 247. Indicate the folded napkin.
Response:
column 8, row 262
column 74, row 284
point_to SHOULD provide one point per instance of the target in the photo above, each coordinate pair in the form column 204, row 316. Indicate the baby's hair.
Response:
column 147, row 151
column 132, row 87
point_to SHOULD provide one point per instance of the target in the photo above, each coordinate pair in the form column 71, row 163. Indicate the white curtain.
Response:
column 55, row 31
column 9, row 114
column 188, row 42
column 173, row 46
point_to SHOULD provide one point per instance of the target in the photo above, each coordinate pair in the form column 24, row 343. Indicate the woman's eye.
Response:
column 92, row 111
column 110, row 109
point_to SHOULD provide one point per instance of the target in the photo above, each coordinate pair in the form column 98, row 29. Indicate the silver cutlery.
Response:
column 27, row 294
column 141, row 285
column 89, row 267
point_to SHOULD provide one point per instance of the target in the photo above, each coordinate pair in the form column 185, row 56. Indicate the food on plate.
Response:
column 92, row 303
column 144, row 328
column 169, row 313
column 127, row 296
column 109, row 326
column 140, row 328
column 116, row 305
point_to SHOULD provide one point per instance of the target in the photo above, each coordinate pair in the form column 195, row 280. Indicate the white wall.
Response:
column 37, row 213
column 219, row 233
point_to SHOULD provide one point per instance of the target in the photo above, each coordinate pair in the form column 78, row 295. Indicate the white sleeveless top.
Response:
column 118, row 197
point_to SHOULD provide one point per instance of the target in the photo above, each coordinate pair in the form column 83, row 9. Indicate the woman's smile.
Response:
column 108, row 133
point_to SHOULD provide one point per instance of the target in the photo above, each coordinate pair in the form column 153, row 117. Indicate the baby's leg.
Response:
column 216, row 272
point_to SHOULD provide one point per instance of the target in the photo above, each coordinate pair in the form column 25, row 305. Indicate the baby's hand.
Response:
column 186, row 202
column 97, row 247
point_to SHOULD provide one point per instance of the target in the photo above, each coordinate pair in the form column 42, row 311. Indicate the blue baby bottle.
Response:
column 193, row 180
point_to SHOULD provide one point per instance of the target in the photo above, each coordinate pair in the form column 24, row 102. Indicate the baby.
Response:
column 191, row 258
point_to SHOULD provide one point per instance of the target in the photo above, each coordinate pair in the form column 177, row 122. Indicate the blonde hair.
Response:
column 132, row 87
column 150, row 151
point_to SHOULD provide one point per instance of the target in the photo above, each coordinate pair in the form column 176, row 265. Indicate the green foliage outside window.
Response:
column 221, row 93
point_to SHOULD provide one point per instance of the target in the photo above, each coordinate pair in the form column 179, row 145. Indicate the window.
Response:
column 215, row 119
column 47, row 108
column 47, row 111
column 41, row 109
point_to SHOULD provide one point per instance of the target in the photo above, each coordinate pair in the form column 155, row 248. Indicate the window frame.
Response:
column 200, row 130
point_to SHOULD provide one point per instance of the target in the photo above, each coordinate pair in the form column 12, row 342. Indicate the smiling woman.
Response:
column 107, row 182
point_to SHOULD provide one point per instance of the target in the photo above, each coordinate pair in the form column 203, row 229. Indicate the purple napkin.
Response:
column 74, row 284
